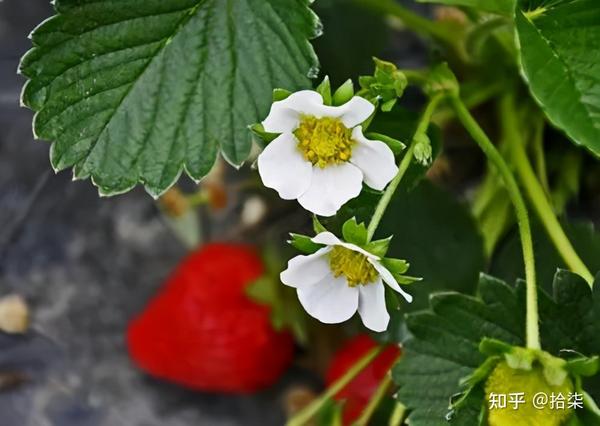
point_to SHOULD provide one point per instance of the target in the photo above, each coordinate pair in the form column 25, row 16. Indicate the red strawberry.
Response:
column 203, row 332
column 359, row 391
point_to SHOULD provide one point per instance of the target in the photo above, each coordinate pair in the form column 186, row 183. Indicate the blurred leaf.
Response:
column 353, row 35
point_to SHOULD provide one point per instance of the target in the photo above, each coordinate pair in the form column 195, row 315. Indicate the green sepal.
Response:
column 259, row 131
column 280, row 94
column 324, row 89
column 344, row 93
column 394, row 144
column 423, row 151
column 379, row 247
column 441, row 79
column 385, row 86
column 395, row 266
column 303, row 243
column 583, row 366
column 317, row 225
column 354, row 232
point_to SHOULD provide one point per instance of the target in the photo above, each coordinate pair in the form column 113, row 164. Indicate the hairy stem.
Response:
column 403, row 167
column 304, row 416
column 536, row 193
column 398, row 415
column 477, row 133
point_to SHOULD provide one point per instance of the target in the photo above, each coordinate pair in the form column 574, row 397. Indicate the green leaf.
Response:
column 445, row 343
column 559, row 57
column 136, row 91
column 355, row 233
column 394, row 144
column 502, row 7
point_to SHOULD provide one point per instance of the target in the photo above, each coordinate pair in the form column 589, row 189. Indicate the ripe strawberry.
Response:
column 201, row 331
column 359, row 391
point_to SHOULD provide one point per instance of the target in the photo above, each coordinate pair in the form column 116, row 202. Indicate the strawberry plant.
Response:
column 400, row 231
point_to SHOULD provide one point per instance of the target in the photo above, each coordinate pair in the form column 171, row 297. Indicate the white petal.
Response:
column 307, row 270
column 331, row 300
column 285, row 115
column 375, row 159
column 330, row 239
column 371, row 306
column 282, row 167
column 356, row 111
column 390, row 280
column 330, row 188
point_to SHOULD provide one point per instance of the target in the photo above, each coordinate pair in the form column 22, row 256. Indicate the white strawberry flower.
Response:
column 321, row 157
column 340, row 279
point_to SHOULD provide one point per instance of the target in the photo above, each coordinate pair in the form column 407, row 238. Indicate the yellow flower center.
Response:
column 353, row 265
column 324, row 141
column 505, row 380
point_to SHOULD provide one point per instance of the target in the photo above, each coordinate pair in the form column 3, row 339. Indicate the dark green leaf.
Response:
column 444, row 346
column 136, row 91
column 558, row 48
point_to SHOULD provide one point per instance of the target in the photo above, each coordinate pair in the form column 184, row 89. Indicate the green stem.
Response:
column 538, row 152
column 374, row 402
column 411, row 20
column 398, row 415
column 403, row 167
column 477, row 133
column 536, row 194
column 313, row 408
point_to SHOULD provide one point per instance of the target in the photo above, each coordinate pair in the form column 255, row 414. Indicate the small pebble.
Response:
column 14, row 314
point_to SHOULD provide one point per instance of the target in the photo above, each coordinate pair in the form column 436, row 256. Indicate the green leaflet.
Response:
column 136, row 91
column 444, row 346
column 502, row 7
column 560, row 60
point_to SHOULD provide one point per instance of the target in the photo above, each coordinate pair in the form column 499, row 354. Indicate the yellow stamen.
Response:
column 353, row 265
column 324, row 141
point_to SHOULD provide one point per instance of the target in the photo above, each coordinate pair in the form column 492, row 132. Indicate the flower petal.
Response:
column 371, row 306
column 285, row 115
column 375, row 159
column 390, row 280
column 331, row 300
column 282, row 167
column 330, row 188
column 356, row 111
column 330, row 239
column 306, row 270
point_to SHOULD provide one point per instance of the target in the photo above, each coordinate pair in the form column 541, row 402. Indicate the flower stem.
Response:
column 398, row 415
column 536, row 194
column 477, row 133
column 374, row 402
column 403, row 167
column 313, row 408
